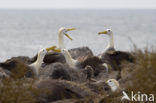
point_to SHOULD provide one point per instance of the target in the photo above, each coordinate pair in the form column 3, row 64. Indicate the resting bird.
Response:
column 112, row 56
column 114, row 84
column 19, row 69
column 118, row 93
column 37, row 64
column 93, row 61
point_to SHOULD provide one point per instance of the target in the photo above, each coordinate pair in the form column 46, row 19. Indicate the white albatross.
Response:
column 53, row 56
column 111, row 56
column 37, row 64
column 94, row 62
column 63, row 32
column 70, row 61
column 115, row 87
column 114, row 84
column 110, row 45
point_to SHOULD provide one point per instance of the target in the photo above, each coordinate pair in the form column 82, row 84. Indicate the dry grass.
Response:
column 18, row 89
column 142, row 78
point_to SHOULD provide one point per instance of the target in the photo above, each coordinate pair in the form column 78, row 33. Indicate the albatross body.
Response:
column 19, row 69
column 94, row 62
column 112, row 56
column 37, row 64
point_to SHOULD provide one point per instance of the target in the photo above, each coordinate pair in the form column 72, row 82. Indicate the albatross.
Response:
column 93, row 61
column 63, row 32
column 55, row 56
column 19, row 69
column 40, row 56
column 37, row 64
column 76, row 52
column 113, row 56
column 110, row 45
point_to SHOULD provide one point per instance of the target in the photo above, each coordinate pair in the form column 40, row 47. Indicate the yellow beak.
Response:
column 104, row 32
column 71, row 29
column 68, row 36
column 57, row 50
column 53, row 48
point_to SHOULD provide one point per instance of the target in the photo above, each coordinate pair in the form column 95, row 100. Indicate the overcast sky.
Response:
column 78, row 4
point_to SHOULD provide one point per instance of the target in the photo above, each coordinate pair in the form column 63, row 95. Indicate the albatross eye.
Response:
column 109, row 30
column 63, row 50
column 64, row 30
column 110, row 81
column 43, row 50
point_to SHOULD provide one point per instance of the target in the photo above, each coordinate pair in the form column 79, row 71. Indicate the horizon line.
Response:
column 77, row 8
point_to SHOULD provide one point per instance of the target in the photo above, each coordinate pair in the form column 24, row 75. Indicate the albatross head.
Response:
column 114, row 84
column 42, row 53
column 64, row 31
column 66, row 53
column 107, row 32
column 111, row 38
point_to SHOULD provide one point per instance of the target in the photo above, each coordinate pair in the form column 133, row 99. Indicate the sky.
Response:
column 78, row 4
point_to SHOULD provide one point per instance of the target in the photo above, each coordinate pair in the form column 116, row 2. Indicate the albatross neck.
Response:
column 37, row 64
column 39, row 61
column 60, row 40
column 111, row 41
column 70, row 61
column 114, row 88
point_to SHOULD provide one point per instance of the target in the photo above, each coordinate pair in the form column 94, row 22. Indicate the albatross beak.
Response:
column 104, row 32
column 71, row 29
column 53, row 48
column 68, row 35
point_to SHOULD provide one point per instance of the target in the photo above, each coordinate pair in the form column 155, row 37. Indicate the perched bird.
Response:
column 63, row 32
column 114, row 84
column 94, row 62
column 19, row 69
column 117, row 94
column 111, row 56
column 37, row 64
column 110, row 46
column 54, row 55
